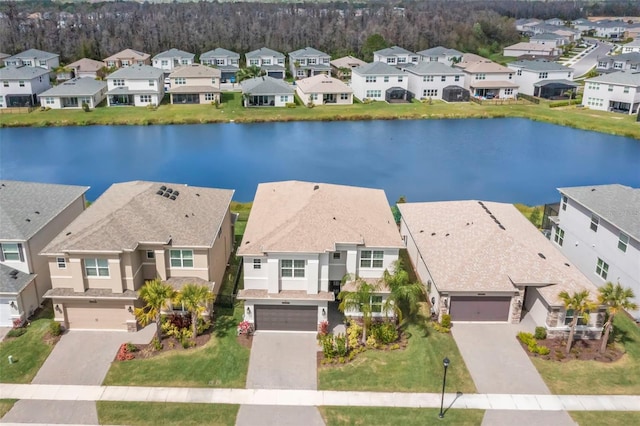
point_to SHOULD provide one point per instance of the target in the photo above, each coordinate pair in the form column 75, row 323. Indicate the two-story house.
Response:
column 429, row 79
column 86, row 67
column 623, row 62
column 549, row 39
column 34, row 58
column 489, row 80
column 395, row 56
column 617, row 92
column 195, row 84
column 308, row 62
column 21, row 85
column 341, row 67
column 302, row 241
column 440, row 54
column 136, row 85
column 532, row 50
column 372, row 81
column 268, row 60
column 135, row 232
column 598, row 229
column 75, row 93
column 544, row 79
column 31, row 215
column 633, row 46
column 172, row 59
column 3, row 56
column 226, row 61
column 127, row 58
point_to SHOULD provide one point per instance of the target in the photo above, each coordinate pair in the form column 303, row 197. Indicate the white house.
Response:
column 395, row 56
column 598, row 229
column 618, row 92
column 440, row 54
column 171, row 59
column 624, row 62
column 21, row 85
column 75, row 93
column 324, row 90
column 371, row 81
column 543, row 78
column 135, row 85
column 428, row 79
column 266, row 91
column 226, row 61
column 34, row 58
column 549, row 39
column 634, row 46
column 308, row 62
column 269, row 60
column 489, row 80
column 531, row 49
column 302, row 239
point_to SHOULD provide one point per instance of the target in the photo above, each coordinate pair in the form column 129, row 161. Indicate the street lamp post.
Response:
column 445, row 362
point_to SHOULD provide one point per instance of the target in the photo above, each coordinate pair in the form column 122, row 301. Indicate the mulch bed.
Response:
column 402, row 342
column 583, row 350
column 170, row 344
column 246, row 341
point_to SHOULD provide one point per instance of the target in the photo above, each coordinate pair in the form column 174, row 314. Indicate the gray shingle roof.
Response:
column 26, row 207
column 80, row 86
column 306, row 52
column 394, row 50
column 137, row 72
column 131, row 213
column 378, row 68
column 12, row 280
column 539, row 65
column 439, row 51
column 620, row 77
column 264, row 51
column 34, row 53
column 631, row 57
column 219, row 53
column 546, row 36
column 21, row 73
column 174, row 53
column 617, row 204
column 424, row 68
column 266, row 85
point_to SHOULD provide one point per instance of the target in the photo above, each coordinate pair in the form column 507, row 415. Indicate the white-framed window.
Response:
column 376, row 304
column 391, row 60
column 151, row 254
column 373, row 93
column 145, row 98
column 62, row 262
column 510, row 76
column 48, row 101
column 111, row 64
column 399, row 79
column 181, row 258
column 125, row 63
column 21, row 83
column 443, row 78
column 94, row 267
column 213, row 80
column 254, row 61
column 292, row 268
column 610, row 88
column 5, row 83
column 481, row 77
column 568, row 318
column 543, row 75
column 152, row 83
column 602, row 269
column 336, row 255
column 430, row 92
column 284, row 98
column 371, row 258
column 595, row 220
column 312, row 61
column 623, row 242
column 564, row 202
column 626, row 89
column 427, row 78
column 519, row 72
column 402, row 60
column 559, row 237
column 185, row 62
column 313, row 97
column 12, row 251
column 257, row 264
column 456, row 78
column 281, row 61
column 370, row 79
column 266, row 61
column 344, row 96
column 178, row 81
column 118, row 82
column 386, row 78
column 209, row 96
column 164, row 63
column 220, row 62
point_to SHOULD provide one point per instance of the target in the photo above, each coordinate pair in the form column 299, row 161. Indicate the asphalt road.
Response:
column 590, row 60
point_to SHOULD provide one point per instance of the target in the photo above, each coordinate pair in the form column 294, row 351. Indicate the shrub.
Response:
column 156, row 344
column 353, row 333
column 341, row 345
column 180, row 321
column 327, row 346
column 245, row 328
column 540, row 333
column 203, row 325
column 55, row 328
column 124, row 354
column 385, row 333
column 394, row 347
column 446, row 321
column 131, row 347
column 526, row 338
column 323, row 328
column 440, row 329
column 543, row 350
column 85, row 107
column 290, row 104
column 16, row 332
column 371, row 341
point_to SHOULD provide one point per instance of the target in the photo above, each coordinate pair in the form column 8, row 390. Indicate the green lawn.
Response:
column 527, row 210
column 243, row 210
column 29, row 351
column 165, row 413
column 591, row 377
column 418, row 368
column 6, row 405
column 609, row 418
column 384, row 416
column 222, row 362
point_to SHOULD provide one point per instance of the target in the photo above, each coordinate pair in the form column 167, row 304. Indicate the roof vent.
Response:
column 176, row 193
column 567, row 265
column 166, row 195
column 446, row 235
column 169, row 190
column 68, row 233
column 37, row 212
column 160, row 192
column 593, row 189
column 502, row 227
column 186, row 215
column 433, row 233
column 316, row 187
column 421, row 231
column 13, row 273
column 173, row 197
column 163, row 187
column 542, row 256
column 197, row 195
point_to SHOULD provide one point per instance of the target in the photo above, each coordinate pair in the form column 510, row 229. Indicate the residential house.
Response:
column 87, row 68
column 525, row 25
column 31, row 214
column 609, row 29
column 135, row 85
column 3, row 56
column 309, row 62
column 195, row 84
column 582, row 25
column 324, row 90
column 544, row 79
column 554, row 21
column 135, row 232
column 428, row 79
column 266, row 91
column 172, row 59
column 34, row 58
column 127, row 58
column 489, row 80
column 633, row 47
column 302, row 241
column 341, row 67
column 395, row 56
column 441, row 54
column 532, row 49
column 485, row 262
column 21, row 85
column 625, row 62
column 549, row 39
column 226, row 61
column 270, row 61
column 632, row 31
column 374, row 80
column 75, row 93
column 617, row 92
column 598, row 229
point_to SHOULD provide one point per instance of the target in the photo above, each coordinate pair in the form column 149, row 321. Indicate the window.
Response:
column 456, row 78
column 391, row 60
column 213, row 80
column 48, row 101
column 610, row 88
column 443, row 78
column 370, row 79
column 12, row 251
column 152, row 83
column 96, row 267
column 376, row 303
column 151, row 254
column 257, row 264
column 164, row 63
column 21, row 83
column 399, row 79
column 626, row 89
column 564, row 202
column 181, row 258
column 428, row 78
column 371, row 258
column 254, row 62
column 125, row 63
column 284, row 98
column 402, row 60
column 266, row 61
column 185, row 62
column 543, row 75
column 118, row 82
column 623, row 241
column 209, row 96
column 519, row 72
column 5, row 83
column 111, row 64
column 594, row 223
column 481, row 77
column 508, row 91
column 559, row 237
column 313, row 97
column 510, row 76
column 373, row 93
column 145, row 98
column 292, row 268
column 311, row 61
column 62, row 263
column 568, row 318
column 179, row 81
column 430, row 92
column 602, row 268
column 386, row 78
column 220, row 62
column 336, row 255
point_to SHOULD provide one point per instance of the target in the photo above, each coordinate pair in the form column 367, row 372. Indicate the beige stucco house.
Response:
column 322, row 89
column 195, row 84
column 127, row 58
column 134, row 232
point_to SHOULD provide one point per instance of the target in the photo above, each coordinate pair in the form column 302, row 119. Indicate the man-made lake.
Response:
column 511, row 160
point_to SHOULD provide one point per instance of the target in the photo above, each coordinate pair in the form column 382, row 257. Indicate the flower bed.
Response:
column 553, row 349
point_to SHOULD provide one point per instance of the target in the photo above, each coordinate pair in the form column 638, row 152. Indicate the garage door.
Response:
column 289, row 318
column 5, row 313
column 472, row 308
column 109, row 317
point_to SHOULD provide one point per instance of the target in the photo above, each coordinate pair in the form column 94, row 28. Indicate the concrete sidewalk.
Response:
column 298, row 397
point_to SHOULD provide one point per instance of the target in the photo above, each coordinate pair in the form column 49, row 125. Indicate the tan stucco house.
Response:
column 322, row 89
column 134, row 232
column 195, row 84
column 31, row 215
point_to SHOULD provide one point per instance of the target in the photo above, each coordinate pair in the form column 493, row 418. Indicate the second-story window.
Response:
column 62, row 263
column 292, row 268
column 180, row 81
column 181, row 258
column 257, row 264
column 623, row 241
column 594, row 223
column 118, row 82
column 564, row 202
column 12, row 252
column 96, row 267
column 371, row 258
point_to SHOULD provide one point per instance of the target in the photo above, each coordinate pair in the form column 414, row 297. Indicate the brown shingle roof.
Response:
column 195, row 70
column 323, row 84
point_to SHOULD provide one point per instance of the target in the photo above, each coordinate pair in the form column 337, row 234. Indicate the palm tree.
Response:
column 359, row 300
column 405, row 295
column 580, row 304
column 196, row 299
column 616, row 298
column 249, row 72
column 156, row 296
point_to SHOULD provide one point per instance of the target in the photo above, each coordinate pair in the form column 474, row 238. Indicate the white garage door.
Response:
column 96, row 316
column 5, row 313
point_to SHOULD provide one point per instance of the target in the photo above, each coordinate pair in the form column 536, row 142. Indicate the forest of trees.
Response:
column 97, row 30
